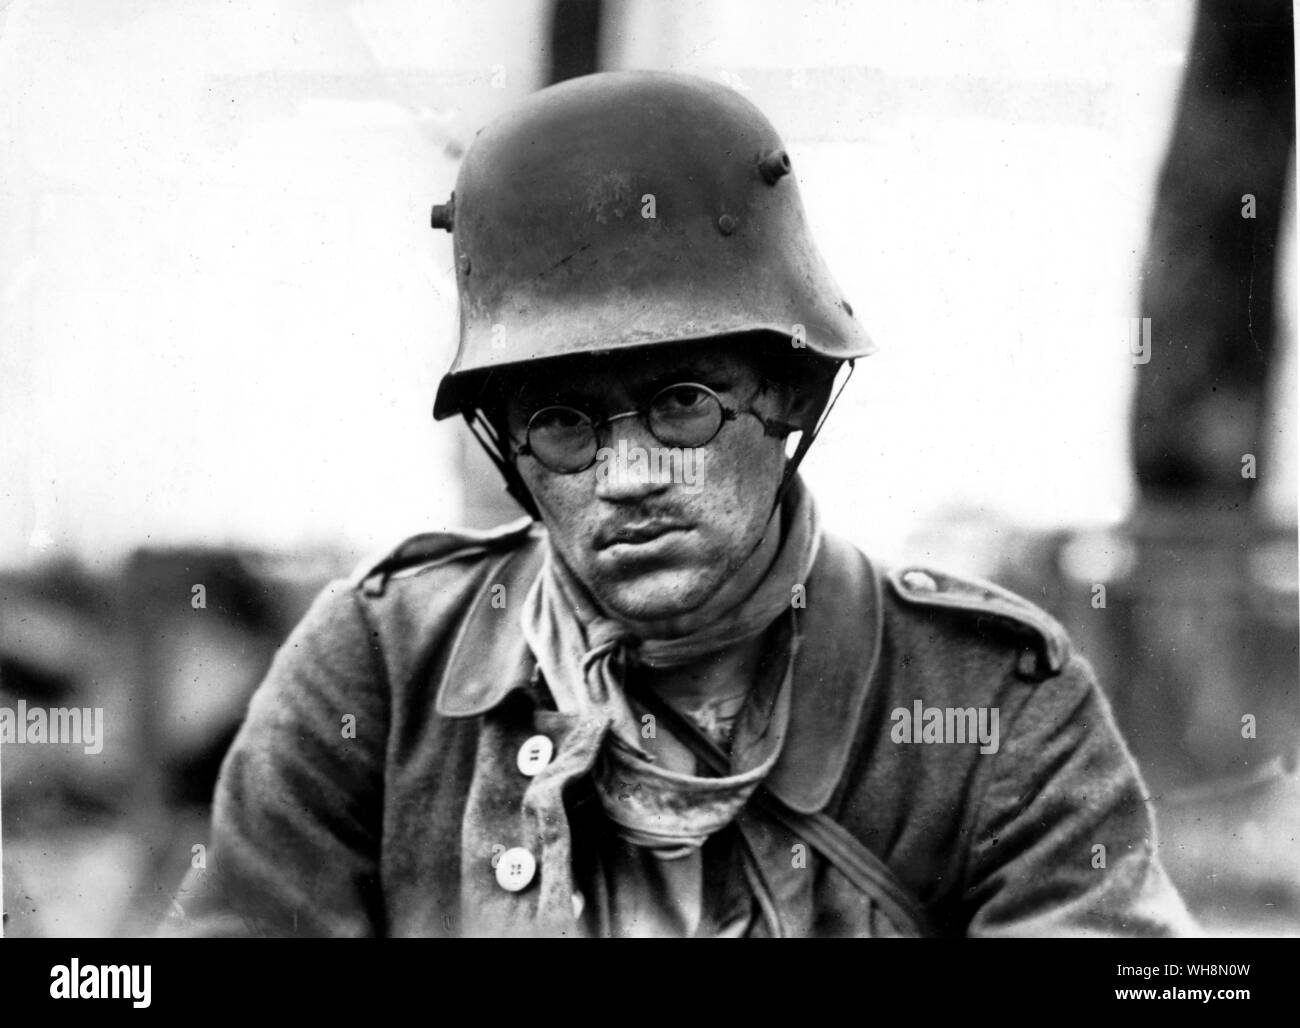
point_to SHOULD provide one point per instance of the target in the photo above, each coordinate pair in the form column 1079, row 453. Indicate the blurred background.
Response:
column 223, row 316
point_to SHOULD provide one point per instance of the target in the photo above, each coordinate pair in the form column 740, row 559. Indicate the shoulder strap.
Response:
column 433, row 547
column 988, row 604
column 822, row 832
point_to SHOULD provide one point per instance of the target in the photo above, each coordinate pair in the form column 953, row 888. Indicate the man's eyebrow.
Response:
column 552, row 392
column 695, row 371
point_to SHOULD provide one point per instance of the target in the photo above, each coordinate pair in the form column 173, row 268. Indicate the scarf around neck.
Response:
column 585, row 655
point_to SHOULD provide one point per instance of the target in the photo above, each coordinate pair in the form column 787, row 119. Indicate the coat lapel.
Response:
column 489, row 658
column 836, row 662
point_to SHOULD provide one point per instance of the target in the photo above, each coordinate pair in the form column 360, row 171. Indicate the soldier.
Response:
column 668, row 702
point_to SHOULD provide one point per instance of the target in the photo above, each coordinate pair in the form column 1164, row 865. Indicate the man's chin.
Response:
column 655, row 595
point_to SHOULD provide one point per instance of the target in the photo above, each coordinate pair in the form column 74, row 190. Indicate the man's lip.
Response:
column 637, row 532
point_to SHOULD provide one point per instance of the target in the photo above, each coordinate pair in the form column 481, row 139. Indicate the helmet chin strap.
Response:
column 486, row 435
column 795, row 459
column 806, row 440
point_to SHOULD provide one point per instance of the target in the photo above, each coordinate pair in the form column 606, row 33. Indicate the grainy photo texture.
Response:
column 603, row 468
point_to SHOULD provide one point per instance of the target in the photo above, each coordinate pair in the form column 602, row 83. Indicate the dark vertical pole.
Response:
column 1211, row 686
column 575, row 39
column 575, row 27
column 1210, row 273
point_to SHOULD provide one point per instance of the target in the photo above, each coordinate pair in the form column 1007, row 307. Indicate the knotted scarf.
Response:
column 585, row 655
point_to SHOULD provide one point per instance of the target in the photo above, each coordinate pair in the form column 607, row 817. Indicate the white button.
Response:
column 515, row 869
column 919, row 581
column 579, row 904
column 535, row 754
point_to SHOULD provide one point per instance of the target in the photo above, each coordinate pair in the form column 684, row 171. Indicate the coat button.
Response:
column 515, row 869
column 535, row 754
column 920, row 582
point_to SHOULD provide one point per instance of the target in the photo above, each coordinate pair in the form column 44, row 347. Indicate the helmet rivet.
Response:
column 727, row 224
column 773, row 165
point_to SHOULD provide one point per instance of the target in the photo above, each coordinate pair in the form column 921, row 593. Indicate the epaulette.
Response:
column 929, row 588
column 432, row 548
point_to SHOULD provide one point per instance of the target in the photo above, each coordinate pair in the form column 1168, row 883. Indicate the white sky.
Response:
column 223, row 314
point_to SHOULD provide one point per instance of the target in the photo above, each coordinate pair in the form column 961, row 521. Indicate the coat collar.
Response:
column 841, row 627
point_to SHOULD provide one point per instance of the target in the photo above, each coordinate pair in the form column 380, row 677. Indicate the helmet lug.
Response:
column 443, row 214
column 774, row 165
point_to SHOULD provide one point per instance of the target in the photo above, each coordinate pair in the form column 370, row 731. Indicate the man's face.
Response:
column 654, row 540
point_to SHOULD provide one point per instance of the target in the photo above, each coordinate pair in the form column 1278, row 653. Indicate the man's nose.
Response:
column 631, row 463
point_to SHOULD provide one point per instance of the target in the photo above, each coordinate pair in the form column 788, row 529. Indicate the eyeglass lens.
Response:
column 565, row 439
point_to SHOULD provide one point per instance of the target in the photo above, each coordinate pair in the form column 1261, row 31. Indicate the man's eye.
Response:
column 681, row 399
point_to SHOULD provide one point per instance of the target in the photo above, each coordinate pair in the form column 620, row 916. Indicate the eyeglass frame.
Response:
column 772, row 427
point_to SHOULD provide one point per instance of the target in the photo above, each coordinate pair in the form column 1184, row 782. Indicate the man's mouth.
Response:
column 637, row 532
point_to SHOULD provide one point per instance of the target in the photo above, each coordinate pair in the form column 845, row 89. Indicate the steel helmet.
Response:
column 624, row 209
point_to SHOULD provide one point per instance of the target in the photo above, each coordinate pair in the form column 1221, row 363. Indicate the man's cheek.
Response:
column 560, row 503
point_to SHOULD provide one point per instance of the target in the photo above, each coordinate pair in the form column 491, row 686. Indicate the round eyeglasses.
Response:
column 686, row 414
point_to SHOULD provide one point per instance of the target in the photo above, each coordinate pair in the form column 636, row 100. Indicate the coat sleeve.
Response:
column 297, row 816
column 1064, row 834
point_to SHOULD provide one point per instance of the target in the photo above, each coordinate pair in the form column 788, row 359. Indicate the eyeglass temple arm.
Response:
column 773, row 427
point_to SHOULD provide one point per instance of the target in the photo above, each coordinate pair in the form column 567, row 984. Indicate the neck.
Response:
column 726, row 671
column 718, row 675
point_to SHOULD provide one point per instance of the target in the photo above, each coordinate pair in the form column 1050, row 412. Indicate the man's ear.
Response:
column 809, row 390
column 494, row 405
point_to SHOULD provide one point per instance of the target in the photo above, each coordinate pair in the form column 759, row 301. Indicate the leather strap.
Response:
column 832, row 840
